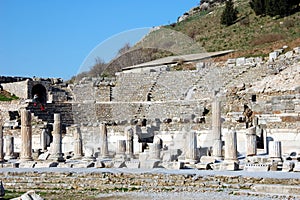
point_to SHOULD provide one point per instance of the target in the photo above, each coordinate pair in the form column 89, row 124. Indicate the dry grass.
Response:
column 267, row 38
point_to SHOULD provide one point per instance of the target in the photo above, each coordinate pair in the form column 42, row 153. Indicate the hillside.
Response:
column 250, row 35
column 201, row 31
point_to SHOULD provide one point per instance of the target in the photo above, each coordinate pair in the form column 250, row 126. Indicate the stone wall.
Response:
column 20, row 89
column 98, row 181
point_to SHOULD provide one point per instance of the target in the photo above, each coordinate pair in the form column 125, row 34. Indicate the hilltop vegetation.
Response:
column 249, row 35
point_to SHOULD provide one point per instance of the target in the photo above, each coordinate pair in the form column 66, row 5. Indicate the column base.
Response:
column 23, row 159
column 57, row 158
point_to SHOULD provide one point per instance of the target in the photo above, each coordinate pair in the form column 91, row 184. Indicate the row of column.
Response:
column 231, row 139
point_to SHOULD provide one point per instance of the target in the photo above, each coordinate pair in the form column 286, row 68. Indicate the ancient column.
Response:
column 251, row 148
column 43, row 139
column 155, row 148
column 120, row 148
column 191, row 147
column 275, row 150
column 56, row 146
column 26, row 135
column 231, row 145
column 103, row 141
column 1, row 145
column 216, row 129
column 9, row 150
column 77, row 144
column 129, row 142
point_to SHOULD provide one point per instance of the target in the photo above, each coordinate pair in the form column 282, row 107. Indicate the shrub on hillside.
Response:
column 274, row 7
column 258, row 6
column 229, row 15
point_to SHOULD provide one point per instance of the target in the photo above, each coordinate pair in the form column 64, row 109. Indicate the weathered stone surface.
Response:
column 132, row 164
column 297, row 167
column 225, row 166
column 27, row 164
column 45, row 164
column 277, row 189
column 273, row 56
column 44, row 156
column 149, row 164
column 288, row 166
column 208, row 159
column 256, row 167
column 30, row 195
column 203, row 166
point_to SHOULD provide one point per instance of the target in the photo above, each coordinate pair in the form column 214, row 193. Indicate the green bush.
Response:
column 229, row 15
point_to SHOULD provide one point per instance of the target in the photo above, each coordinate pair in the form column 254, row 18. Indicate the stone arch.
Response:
column 41, row 91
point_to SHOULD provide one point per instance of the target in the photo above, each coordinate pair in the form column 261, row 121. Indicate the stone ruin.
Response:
column 242, row 114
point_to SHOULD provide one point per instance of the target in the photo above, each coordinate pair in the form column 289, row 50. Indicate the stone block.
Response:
column 256, row 167
column 231, row 61
column 225, row 166
column 27, row 164
column 250, row 61
column 119, row 164
column 46, row 164
column 297, row 50
column 44, row 156
column 107, row 163
column 84, row 165
column 240, row 61
column 297, row 167
column 9, row 165
column 277, row 189
column 289, row 54
column 150, row 164
column 207, row 159
column 288, row 166
column 173, row 165
column 203, row 166
column 133, row 164
column 31, row 195
column 274, row 166
column 65, row 165
column 99, row 164
column 273, row 56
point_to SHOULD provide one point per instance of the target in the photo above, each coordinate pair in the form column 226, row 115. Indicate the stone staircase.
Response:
column 65, row 109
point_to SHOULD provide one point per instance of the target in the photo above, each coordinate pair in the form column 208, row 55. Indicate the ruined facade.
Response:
column 164, row 111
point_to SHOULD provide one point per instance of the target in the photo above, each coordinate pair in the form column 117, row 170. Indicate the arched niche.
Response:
column 41, row 91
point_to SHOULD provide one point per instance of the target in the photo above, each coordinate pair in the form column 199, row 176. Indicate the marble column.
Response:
column 275, row 150
column 1, row 145
column 129, row 142
column 56, row 146
column 103, row 141
column 26, row 135
column 191, row 147
column 251, row 145
column 216, row 129
column 121, row 147
column 9, row 147
column 155, row 148
column 77, row 144
column 231, row 145
column 43, row 139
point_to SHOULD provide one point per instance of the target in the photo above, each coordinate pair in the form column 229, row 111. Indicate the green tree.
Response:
column 258, row 6
column 277, row 7
column 229, row 14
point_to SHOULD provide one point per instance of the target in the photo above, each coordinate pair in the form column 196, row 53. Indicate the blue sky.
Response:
column 53, row 38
